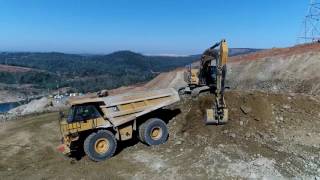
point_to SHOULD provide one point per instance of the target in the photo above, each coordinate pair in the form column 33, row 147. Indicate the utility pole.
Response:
column 311, row 23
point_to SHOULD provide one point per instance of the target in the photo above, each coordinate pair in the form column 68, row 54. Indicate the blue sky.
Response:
column 147, row 26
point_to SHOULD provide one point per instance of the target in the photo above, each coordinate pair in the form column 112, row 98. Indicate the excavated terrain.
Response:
column 268, row 136
column 294, row 69
column 273, row 130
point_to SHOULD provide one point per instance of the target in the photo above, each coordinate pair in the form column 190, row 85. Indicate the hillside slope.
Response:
column 85, row 73
column 43, row 73
column 294, row 69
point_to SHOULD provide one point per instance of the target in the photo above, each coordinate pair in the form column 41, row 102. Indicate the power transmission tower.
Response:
column 311, row 23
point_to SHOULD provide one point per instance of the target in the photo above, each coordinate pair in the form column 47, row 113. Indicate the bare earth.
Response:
column 9, row 96
column 268, row 136
column 273, row 131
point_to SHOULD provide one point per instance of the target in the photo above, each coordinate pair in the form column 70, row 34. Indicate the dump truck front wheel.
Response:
column 100, row 146
column 153, row 132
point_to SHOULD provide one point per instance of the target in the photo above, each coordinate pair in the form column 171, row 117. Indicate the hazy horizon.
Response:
column 107, row 53
column 157, row 27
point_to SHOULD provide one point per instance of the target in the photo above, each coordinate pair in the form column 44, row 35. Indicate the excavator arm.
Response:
column 210, row 76
column 219, row 113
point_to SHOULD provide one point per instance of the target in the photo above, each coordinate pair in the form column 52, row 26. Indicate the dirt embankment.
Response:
column 278, row 52
column 268, row 136
column 172, row 79
column 294, row 69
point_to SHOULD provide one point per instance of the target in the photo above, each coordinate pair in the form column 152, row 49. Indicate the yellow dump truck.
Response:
column 98, row 123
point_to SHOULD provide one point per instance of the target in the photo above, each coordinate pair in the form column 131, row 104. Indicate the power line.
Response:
column 311, row 24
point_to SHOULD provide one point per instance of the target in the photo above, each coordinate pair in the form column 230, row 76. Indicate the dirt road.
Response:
column 172, row 79
column 268, row 136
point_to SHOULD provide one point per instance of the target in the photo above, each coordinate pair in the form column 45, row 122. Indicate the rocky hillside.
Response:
column 294, row 69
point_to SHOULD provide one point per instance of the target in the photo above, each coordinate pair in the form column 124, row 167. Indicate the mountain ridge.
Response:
column 90, row 72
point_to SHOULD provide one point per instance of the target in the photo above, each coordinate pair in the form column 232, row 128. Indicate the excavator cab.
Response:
column 210, row 78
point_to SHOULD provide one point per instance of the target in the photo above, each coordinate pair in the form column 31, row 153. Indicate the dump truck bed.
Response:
column 126, row 107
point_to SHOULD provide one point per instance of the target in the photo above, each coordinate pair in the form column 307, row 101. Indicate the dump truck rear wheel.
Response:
column 154, row 132
column 100, row 146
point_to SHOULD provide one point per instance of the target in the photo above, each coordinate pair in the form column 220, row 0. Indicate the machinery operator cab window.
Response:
column 213, row 72
column 210, row 76
column 82, row 113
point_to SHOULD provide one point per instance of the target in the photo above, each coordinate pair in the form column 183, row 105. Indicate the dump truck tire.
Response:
column 141, row 132
column 154, row 132
column 100, row 146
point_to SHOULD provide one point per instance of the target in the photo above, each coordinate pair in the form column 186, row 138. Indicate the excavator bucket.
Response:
column 212, row 117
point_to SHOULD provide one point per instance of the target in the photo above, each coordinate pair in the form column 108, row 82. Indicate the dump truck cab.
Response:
column 84, row 112
column 98, row 123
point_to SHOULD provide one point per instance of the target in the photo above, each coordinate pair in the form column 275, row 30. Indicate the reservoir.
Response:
column 5, row 107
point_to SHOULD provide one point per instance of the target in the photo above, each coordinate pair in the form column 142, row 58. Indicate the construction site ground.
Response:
column 268, row 136
column 273, row 130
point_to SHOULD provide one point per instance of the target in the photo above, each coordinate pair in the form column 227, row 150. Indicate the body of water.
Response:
column 5, row 107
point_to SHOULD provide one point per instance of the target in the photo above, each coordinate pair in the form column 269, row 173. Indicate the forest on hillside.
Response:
column 87, row 72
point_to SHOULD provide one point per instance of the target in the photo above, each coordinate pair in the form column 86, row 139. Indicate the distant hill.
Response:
column 89, row 72
column 240, row 51
column 86, row 72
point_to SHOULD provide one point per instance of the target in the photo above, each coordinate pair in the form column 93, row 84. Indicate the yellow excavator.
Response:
column 210, row 76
